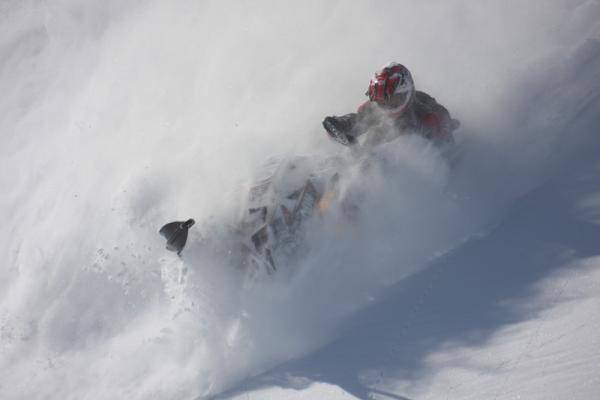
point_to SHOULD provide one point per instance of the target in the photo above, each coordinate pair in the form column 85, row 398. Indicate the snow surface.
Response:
column 477, row 280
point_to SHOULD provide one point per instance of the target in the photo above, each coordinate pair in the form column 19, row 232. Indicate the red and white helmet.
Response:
column 392, row 87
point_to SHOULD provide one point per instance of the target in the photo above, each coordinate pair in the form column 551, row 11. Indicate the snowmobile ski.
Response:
column 176, row 234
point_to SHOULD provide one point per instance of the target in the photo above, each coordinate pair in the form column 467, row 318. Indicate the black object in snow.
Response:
column 176, row 234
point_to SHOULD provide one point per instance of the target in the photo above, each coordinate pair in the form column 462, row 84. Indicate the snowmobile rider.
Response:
column 394, row 108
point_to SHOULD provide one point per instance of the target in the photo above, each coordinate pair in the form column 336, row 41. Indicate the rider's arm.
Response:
column 347, row 128
column 438, row 124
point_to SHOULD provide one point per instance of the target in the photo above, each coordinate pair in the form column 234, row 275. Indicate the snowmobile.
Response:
column 282, row 201
column 277, row 210
column 279, row 202
column 272, row 220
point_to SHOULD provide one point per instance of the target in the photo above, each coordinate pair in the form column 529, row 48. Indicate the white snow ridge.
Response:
column 476, row 279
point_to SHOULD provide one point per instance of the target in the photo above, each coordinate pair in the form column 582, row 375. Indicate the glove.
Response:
column 338, row 129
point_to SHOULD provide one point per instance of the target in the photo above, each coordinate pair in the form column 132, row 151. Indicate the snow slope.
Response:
column 477, row 280
column 522, row 324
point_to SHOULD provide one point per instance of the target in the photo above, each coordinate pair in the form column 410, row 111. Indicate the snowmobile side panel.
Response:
column 260, row 238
